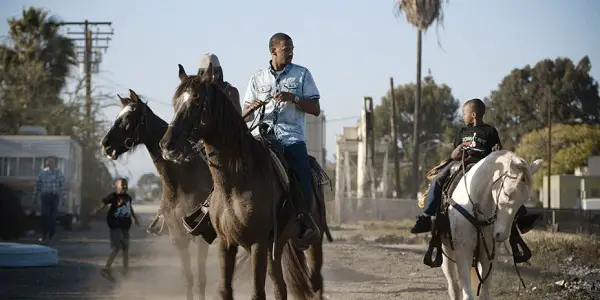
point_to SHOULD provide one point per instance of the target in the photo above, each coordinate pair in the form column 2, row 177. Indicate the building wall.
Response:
column 566, row 190
column 594, row 166
column 315, row 137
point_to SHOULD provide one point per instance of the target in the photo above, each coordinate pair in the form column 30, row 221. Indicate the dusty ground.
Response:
column 367, row 261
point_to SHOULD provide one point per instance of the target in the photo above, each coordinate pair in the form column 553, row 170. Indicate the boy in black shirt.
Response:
column 480, row 136
column 119, row 218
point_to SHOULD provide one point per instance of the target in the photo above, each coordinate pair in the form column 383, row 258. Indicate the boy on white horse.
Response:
column 475, row 135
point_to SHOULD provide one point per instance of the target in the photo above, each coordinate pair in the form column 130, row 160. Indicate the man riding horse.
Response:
column 482, row 139
column 294, row 93
column 210, row 64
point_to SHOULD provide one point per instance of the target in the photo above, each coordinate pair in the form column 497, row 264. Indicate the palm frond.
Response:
column 421, row 13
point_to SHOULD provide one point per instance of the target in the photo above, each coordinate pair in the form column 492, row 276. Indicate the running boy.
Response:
column 119, row 218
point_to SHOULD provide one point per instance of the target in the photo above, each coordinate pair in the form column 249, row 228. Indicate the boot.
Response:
column 422, row 225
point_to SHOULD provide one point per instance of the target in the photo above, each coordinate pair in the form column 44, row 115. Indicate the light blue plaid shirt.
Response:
column 50, row 181
column 295, row 79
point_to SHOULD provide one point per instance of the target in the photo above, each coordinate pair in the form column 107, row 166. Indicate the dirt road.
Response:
column 352, row 271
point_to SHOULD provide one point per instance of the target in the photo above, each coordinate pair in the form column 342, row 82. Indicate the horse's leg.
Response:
column 484, row 266
column 315, row 262
column 182, row 244
column 202, row 256
column 259, row 254
column 227, row 255
column 276, row 272
column 463, row 234
column 451, row 273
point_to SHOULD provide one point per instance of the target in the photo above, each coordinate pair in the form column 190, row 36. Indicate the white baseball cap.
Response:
column 208, row 59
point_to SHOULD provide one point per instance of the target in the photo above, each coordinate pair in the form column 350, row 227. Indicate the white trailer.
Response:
column 22, row 159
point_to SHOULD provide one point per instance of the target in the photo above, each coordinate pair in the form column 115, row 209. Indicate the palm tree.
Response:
column 35, row 62
column 35, row 36
column 420, row 14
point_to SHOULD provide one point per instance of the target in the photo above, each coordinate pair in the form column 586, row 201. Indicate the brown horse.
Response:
column 184, row 185
column 248, row 206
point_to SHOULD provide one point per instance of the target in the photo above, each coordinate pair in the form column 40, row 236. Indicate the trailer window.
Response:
column 26, row 167
column 9, row 166
column 38, row 165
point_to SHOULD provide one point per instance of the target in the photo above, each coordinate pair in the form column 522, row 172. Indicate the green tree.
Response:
column 438, row 107
column 439, row 110
column 571, row 147
column 519, row 105
column 36, row 61
column 149, row 187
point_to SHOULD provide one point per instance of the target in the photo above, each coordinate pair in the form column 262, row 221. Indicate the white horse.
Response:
column 491, row 191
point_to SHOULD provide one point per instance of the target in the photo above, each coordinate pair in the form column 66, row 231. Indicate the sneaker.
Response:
column 106, row 273
column 422, row 225
column 527, row 222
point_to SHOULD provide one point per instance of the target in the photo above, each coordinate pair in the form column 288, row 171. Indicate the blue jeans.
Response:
column 434, row 194
column 296, row 156
column 49, row 213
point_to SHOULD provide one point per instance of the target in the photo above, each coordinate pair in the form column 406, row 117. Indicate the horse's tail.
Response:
column 296, row 273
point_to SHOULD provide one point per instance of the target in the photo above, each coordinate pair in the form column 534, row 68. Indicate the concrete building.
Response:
column 315, row 137
column 567, row 191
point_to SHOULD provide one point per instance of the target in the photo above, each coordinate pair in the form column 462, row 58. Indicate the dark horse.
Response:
column 184, row 185
column 247, row 205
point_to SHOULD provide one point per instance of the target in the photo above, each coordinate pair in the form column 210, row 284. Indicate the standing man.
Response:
column 295, row 94
column 49, row 187
column 210, row 64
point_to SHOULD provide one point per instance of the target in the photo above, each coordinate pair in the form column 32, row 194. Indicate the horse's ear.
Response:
column 535, row 166
column 133, row 96
column 124, row 101
column 182, row 74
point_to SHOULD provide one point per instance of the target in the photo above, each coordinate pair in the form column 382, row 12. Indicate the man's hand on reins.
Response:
column 286, row 97
column 250, row 108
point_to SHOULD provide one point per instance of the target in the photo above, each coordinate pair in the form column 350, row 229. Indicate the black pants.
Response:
column 49, row 214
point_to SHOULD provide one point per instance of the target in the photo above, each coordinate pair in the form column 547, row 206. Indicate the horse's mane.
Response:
column 515, row 165
column 245, row 151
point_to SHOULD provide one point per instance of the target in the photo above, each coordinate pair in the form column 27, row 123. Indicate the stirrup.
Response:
column 201, row 228
column 435, row 243
column 517, row 241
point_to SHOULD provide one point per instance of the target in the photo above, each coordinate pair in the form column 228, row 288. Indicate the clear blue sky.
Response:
column 351, row 47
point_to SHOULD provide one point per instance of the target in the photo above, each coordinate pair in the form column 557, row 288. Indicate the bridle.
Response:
column 198, row 147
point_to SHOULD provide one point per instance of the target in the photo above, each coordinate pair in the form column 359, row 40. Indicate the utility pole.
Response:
column 395, row 141
column 91, row 57
column 368, row 105
column 415, row 167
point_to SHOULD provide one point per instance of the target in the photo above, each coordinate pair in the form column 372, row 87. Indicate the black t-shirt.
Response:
column 484, row 136
column 118, row 216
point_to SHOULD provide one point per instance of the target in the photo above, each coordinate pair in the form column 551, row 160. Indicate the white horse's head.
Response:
column 512, row 185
